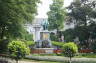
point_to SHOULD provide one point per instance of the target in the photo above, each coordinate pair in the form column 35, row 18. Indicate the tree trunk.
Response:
column 2, row 32
column 58, row 33
column 16, row 61
column 70, row 60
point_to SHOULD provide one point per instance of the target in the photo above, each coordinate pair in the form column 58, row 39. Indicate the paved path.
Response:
column 59, row 58
column 20, row 61
column 28, row 62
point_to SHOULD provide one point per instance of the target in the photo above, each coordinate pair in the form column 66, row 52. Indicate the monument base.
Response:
column 42, row 51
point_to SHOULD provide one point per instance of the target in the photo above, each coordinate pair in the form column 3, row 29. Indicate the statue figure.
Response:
column 45, row 24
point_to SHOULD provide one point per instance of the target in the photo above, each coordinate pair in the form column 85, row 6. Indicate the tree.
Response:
column 56, row 15
column 18, row 50
column 70, row 49
column 69, row 35
column 83, row 14
column 14, row 14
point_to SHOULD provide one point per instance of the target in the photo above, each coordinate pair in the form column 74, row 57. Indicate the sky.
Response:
column 43, row 8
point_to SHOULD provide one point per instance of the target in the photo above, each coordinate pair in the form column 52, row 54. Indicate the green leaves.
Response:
column 18, row 49
column 70, row 49
column 56, row 15
column 14, row 14
column 82, row 12
column 60, row 44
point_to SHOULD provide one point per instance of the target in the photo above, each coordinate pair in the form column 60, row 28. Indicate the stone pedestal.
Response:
column 44, row 41
column 36, row 32
column 45, row 35
column 43, row 46
column 43, row 51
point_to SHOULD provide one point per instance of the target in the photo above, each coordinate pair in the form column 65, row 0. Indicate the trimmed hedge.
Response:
column 60, row 44
column 30, row 43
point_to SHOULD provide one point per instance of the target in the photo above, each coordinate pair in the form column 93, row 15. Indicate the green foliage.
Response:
column 14, row 14
column 56, row 15
column 70, row 49
column 80, row 8
column 69, row 35
column 93, row 46
column 29, row 37
column 87, row 55
column 30, row 43
column 3, row 45
column 60, row 44
column 53, row 37
column 83, row 25
column 18, row 49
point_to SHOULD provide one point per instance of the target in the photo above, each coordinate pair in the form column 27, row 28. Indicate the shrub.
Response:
column 53, row 37
column 18, row 49
column 71, row 46
column 60, row 44
column 93, row 47
column 28, row 37
column 70, row 49
column 30, row 43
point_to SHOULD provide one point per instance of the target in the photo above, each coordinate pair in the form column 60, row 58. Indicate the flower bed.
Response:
column 86, row 51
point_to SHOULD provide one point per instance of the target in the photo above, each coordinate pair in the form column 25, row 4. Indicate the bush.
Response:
column 60, row 44
column 28, row 37
column 30, row 43
column 53, row 37
column 70, row 48
column 18, row 49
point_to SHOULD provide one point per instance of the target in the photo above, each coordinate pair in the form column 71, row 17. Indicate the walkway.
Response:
column 28, row 62
column 59, row 58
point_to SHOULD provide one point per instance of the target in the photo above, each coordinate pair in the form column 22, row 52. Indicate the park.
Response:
column 47, row 31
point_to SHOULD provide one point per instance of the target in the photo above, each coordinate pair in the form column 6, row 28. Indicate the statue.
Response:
column 45, row 24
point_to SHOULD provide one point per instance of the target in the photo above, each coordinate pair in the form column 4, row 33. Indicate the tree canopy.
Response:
column 56, row 15
column 13, row 15
column 83, row 14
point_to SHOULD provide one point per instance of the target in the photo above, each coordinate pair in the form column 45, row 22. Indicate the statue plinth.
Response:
column 44, row 41
column 44, row 44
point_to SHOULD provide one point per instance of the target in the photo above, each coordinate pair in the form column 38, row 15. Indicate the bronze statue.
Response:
column 45, row 24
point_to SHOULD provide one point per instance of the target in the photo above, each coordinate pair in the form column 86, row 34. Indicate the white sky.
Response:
column 43, row 8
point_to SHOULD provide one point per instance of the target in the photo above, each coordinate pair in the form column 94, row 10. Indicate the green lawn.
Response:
column 57, row 62
column 80, row 55
column 40, row 61
column 86, row 55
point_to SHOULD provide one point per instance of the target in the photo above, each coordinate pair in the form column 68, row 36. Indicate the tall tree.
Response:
column 83, row 13
column 14, row 14
column 56, row 15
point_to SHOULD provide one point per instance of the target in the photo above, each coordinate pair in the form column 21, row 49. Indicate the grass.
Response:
column 44, row 54
column 80, row 55
column 86, row 55
column 39, row 61
column 56, row 62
